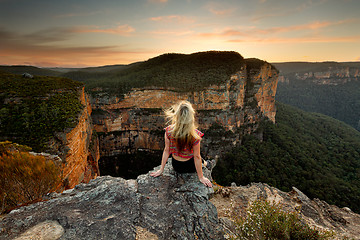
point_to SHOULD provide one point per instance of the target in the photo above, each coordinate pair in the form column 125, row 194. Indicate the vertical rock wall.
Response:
column 78, row 149
column 136, row 121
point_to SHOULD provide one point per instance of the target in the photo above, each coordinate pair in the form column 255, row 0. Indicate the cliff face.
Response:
column 52, row 115
column 136, row 121
column 332, row 75
column 78, row 149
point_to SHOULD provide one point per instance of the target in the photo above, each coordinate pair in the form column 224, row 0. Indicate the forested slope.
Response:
column 313, row 152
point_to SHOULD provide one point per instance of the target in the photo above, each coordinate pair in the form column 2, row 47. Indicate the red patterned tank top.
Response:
column 186, row 153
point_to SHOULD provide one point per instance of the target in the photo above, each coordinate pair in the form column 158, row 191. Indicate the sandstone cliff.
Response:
column 78, row 149
column 52, row 115
column 327, row 73
column 135, row 120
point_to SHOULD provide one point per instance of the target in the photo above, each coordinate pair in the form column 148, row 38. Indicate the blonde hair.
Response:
column 182, row 118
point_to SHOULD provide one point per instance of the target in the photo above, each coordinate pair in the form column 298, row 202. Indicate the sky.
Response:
column 81, row 33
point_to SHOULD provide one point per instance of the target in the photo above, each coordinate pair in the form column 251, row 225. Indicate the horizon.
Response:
column 109, row 65
column 91, row 33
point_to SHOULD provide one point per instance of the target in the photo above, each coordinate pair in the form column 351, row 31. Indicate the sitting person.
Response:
column 182, row 142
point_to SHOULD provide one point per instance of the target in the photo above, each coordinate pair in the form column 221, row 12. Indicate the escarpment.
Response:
column 226, row 110
column 51, row 115
column 78, row 149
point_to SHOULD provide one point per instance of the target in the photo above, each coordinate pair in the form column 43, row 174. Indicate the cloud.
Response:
column 219, row 9
column 172, row 33
column 78, row 14
column 58, row 55
column 120, row 30
column 253, row 31
column 44, row 48
column 320, row 39
column 49, row 35
column 5, row 34
column 157, row 1
column 173, row 18
column 279, row 9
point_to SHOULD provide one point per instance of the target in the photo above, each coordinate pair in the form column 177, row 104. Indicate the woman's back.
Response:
column 187, row 152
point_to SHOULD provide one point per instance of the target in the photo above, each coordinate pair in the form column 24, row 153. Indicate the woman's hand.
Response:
column 205, row 181
column 157, row 173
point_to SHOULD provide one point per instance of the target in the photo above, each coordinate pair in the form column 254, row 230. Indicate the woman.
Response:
column 182, row 141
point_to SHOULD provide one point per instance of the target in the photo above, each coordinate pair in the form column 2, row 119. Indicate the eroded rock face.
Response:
column 330, row 76
column 315, row 212
column 172, row 206
column 136, row 120
column 78, row 149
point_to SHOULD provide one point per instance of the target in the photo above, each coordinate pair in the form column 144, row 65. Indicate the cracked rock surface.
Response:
column 172, row 206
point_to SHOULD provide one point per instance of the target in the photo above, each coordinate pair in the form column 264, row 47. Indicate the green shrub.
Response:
column 264, row 220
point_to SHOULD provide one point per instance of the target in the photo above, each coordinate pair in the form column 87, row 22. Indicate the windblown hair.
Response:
column 182, row 117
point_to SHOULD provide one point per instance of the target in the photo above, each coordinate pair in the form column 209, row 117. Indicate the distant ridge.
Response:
column 20, row 69
column 329, row 88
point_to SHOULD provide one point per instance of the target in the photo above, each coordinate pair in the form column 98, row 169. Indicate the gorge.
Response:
column 130, row 126
column 235, row 102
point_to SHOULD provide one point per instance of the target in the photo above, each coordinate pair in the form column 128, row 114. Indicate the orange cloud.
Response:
column 121, row 30
column 45, row 48
column 221, row 12
column 46, row 56
column 219, row 9
column 173, row 18
column 254, row 31
column 172, row 33
column 300, row 40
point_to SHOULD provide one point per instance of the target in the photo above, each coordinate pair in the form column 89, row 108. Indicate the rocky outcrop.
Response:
column 332, row 75
column 172, row 206
column 316, row 213
column 135, row 121
column 78, row 149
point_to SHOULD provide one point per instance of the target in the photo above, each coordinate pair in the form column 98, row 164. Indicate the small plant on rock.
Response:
column 264, row 220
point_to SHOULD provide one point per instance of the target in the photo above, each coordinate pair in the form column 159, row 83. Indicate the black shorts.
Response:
column 184, row 166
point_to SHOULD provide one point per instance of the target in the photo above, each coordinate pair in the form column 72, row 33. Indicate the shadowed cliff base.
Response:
column 131, row 165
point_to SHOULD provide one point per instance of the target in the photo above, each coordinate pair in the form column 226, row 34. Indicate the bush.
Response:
column 268, row 221
column 25, row 178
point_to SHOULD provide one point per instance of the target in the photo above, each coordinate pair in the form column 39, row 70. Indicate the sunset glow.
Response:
column 94, row 33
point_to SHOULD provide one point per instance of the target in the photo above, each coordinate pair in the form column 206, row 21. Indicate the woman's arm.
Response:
column 198, row 166
column 165, row 156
